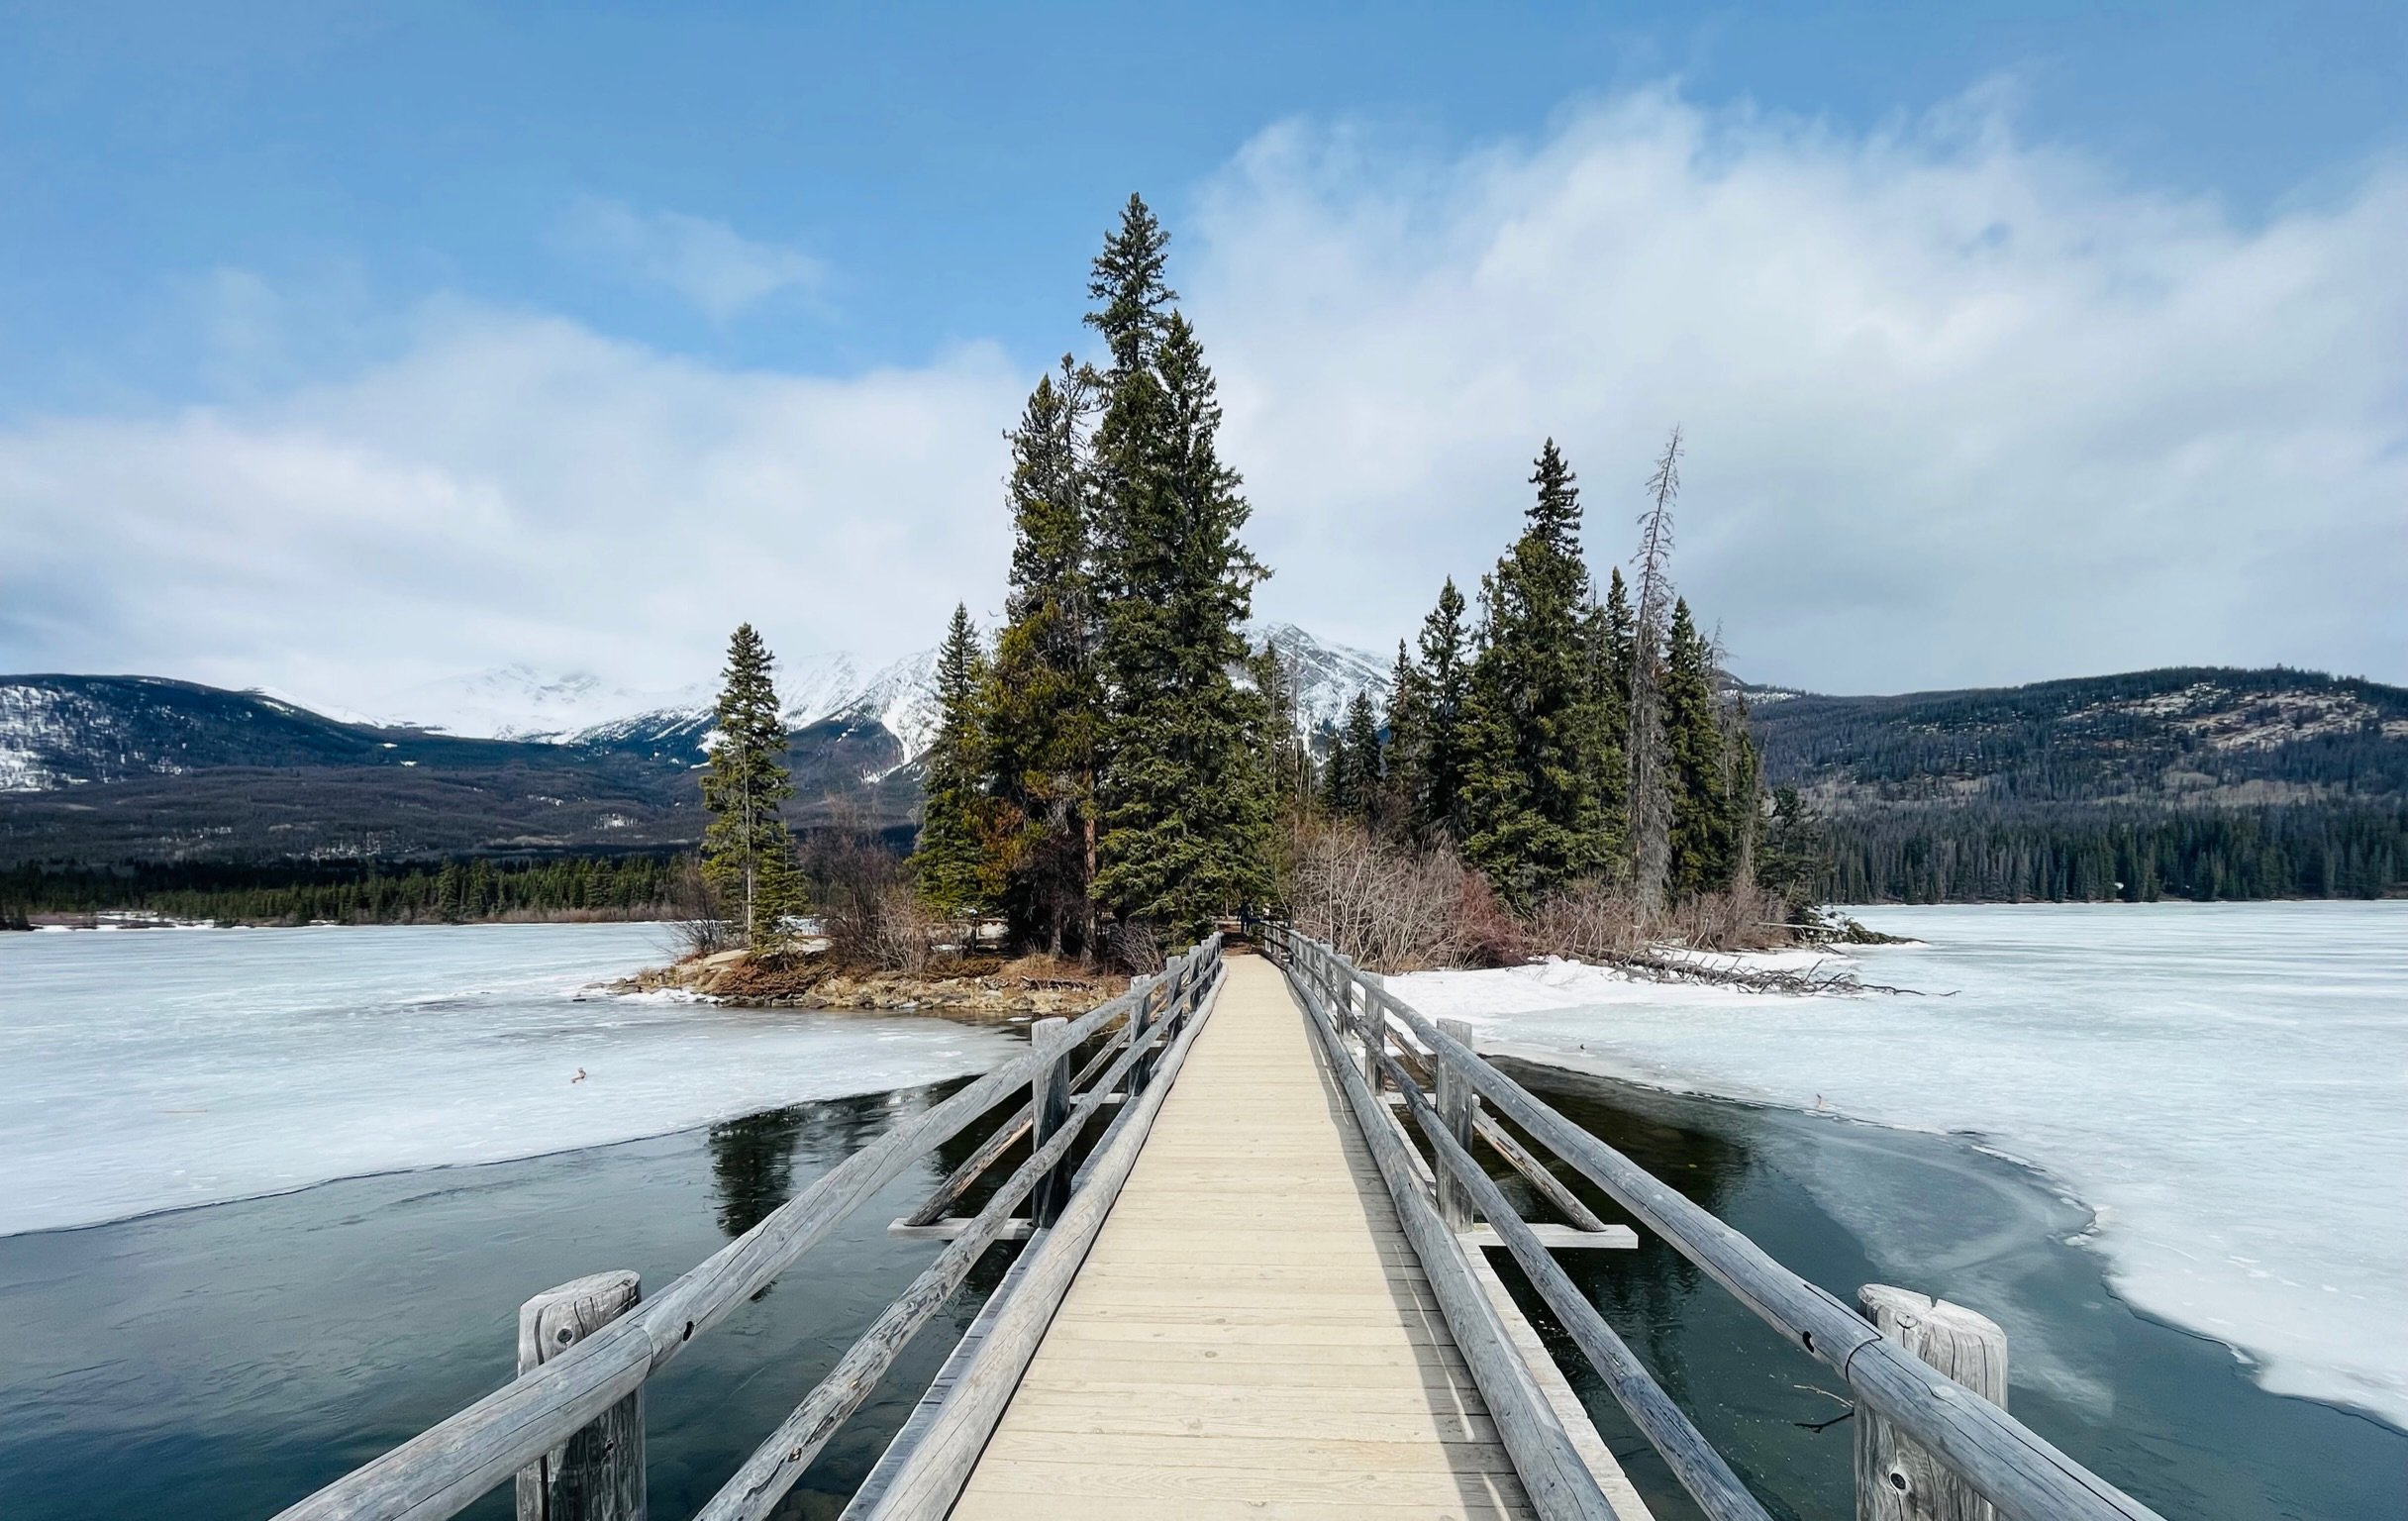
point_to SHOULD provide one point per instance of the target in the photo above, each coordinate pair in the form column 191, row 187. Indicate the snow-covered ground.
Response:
column 2226, row 1086
column 150, row 1070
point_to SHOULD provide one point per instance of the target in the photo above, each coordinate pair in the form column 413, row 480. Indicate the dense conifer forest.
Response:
column 2204, row 784
column 639, row 886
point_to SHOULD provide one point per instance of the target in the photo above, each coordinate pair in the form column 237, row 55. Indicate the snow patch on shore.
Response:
column 2223, row 1085
column 158, row 1071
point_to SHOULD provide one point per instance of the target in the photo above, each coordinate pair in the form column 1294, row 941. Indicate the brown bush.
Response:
column 1486, row 932
column 1384, row 905
column 1589, row 922
column 1738, row 918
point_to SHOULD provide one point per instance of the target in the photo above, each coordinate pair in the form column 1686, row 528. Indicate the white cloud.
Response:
column 511, row 489
column 711, row 264
column 1962, row 410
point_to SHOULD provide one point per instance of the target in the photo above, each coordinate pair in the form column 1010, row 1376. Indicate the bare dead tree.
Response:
column 1650, row 796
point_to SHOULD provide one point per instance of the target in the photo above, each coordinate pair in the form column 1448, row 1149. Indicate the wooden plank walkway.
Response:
column 1250, row 1334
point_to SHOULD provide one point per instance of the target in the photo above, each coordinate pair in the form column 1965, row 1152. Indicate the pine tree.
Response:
column 748, row 856
column 1700, row 834
column 1610, row 640
column 1182, row 797
column 1446, row 668
column 1351, row 784
column 952, row 863
column 1286, row 760
column 1405, row 758
column 1043, row 702
column 1531, row 782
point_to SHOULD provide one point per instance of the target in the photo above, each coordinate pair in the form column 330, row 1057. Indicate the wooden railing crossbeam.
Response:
column 2012, row 1467
column 780, row 1461
column 442, row 1471
column 1556, row 1478
column 1684, row 1448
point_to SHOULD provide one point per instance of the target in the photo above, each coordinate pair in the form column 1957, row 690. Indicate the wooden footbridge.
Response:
column 1252, row 1293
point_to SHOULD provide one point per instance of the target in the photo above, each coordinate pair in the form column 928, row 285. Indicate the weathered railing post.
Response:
column 1371, row 1024
column 1049, row 1111
column 1141, row 989
column 1898, row 1479
column 598, row 1474
column 1458, row 1104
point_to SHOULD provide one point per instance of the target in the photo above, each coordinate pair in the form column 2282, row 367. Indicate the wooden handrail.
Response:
column 2012, row 1467
column 780, row 1461
column 445, row 1469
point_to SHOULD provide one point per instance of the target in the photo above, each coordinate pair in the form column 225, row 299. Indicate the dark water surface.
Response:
column 224, row 1362
column 221, row 1363
column 2169, row 1416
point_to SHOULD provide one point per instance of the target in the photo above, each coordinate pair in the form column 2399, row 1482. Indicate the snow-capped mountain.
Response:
column 1328, row 676
column 517, row 702
column 577, row 708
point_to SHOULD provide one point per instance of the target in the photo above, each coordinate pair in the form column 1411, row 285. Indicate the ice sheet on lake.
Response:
column 2226, row 1084
column 148, row 1070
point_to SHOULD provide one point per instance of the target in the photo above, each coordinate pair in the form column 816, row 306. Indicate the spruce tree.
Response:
column 951, row 862
column 1043, row 702
column 747, row 857
column 1351, row 789
column 1531, row 782
column 1182, row 797
column 1446, row 671
column 1610, row 640
column 1285, row 757
column 1405, row 758
column 1700, row 834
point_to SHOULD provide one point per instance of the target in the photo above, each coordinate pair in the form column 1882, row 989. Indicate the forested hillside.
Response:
column 2192, row 783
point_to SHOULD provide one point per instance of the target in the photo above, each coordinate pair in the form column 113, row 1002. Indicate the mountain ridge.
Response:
column 103, row 769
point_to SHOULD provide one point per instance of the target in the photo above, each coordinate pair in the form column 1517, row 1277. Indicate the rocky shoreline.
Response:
column 984, row 988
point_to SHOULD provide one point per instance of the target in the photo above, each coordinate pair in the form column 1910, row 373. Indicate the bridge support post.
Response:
column 598, row 1474
column 1049, row 1111
column 1459, row 1104
column 1373, row 1025
column 1898, row 1479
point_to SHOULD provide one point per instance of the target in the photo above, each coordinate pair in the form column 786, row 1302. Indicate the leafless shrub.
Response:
column 1487, row 933
column 1132, row 947
column 893, row 931
column 1738, row 918
column 866, row 906
column 696, row 920
column 1588, row 921
column 1383, row 905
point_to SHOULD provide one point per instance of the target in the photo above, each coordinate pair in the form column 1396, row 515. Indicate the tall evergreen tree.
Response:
column 1610, row 631
column 1182, row 797
column 1405, row 757
column 1530, row 783
column 952, row 862
column 1043, row 703
column 1286, row 760
column 747, row 857
column 1350, row 785
column 1446, row 664
column 1701, row 825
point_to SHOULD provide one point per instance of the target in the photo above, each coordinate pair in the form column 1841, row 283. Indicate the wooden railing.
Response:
column 1928, row 1445
column 570, row 1427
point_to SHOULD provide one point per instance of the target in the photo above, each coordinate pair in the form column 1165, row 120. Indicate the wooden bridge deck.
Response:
column 1250, row 1334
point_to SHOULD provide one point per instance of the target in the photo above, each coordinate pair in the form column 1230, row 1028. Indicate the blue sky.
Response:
column 224, row 215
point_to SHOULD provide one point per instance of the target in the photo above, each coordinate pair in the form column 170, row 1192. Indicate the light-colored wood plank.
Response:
column 1251, row 1332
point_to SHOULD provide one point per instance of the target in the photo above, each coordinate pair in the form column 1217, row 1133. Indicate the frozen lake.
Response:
column 2226, row 1085
column 159, row 1069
